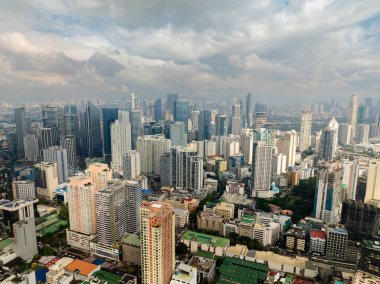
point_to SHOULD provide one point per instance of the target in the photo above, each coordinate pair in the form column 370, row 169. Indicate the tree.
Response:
column 64, row 212
column 181, row 249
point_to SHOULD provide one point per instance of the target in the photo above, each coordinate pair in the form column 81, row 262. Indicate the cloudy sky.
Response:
column 274, row 49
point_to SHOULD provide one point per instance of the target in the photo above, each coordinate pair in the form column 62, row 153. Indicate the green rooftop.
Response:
column 206, row 239
column 246, row 218
column 239, row 271
column 108, row 276
column 5, row 243
column 205, row 254
column 131, row 239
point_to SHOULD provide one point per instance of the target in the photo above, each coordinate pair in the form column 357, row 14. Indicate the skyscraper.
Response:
column 236, row 122
column 158, row 110
column 46, row 179
column 100, row 174
column 373, row 181
column 68, row 143
column 81, row 201
column 260, row 115
column 353, row 115
column 178, row 133
column 249, row 111
column 261, row 165
column 131, row 168
column 328, row 196
column 31, row 148
column 47, row 137
column 22, row 128
column 151, row 147
column 305, row 131
column 135, row 120
column 166, row 176
column 290, row 146
column 204, row 125
column 221, row 124
column 49, row 116
column 109, row 115
column 350, row 178
column 182, row 111
column 344, row 135
column 328, row 141
column 157, row 243
column 71, row 127
column 362, row 133
column 58, row 155
column 120, row 143
column 134, row 198
column 93, row 132
column 170, row 101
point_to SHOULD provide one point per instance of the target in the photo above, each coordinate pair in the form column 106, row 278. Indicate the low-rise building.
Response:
column 206, row 268
column 57, row 270
column 317, row 242
column 227, row 210
column 197, row 241
column 246, row 224
column 111, row 252
column 81, row 269
column 266, row 234
column 361, row 277
column 235, row 187
column 296, row 239
column 181, row 217
column 131, row 245
column 230, row 226
column 210, row 221
column 239, row 251
column 184, row 274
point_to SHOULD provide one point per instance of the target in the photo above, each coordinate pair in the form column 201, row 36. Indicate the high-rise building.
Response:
column 23, row 189
column 71, row 128
column 178, row 133
column 157, row 243
column 135, row 120
column 81, row 201
column 22, row 128
column 290, row 147
column 31, row 148
column 58, row 155
column 278, row 164
column 305, row 131
column 221, row 124
column 47, row 137
column 373, row 181
column 151, row 147
column 111, row 213
column 260, row 115
column 204, row 125
column 166, row 163
column 350, row 178
column 109, row 115
column 261, row 165
column 328, row 141
column 248, row 110
column 170, row 101
column 68, row 143
column 93, row 131
column 158, row 110
column 344, row 135
column 353, row 115
column 362, row 134
column 120, row 143
column 182, row 111
column 134, row 198
column 100, row 174
column 336, row 242
column 328, row 195
column 131, row 165
column 46, row 179
column 195, row 120
column 49, row 116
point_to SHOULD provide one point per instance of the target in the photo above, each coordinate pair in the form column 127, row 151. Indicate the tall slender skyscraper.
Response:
column 170, row 101
column 158, row 110
column 31, row 148
column 93, row 131
column 353, row 115
column 134, row 198
column 261, row 165
column 68, row 143
column 248, row 115
column 22, row 128
column 109, row 115
column 120, row 143
column 373, row 181
column 204, row 125
column 290, row 146
column 135, row 120
column 221, row 124
column 182, row 111
column 157, row 243
column 131, row 168
column 305, row 131
column 57, row 154
column 327, row 152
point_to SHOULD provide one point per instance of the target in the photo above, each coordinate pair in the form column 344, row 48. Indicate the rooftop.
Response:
column 317, row 234
column 131, row 239
column 107, row 276
column 206, row 239
column 85, row 268
column 4, row 243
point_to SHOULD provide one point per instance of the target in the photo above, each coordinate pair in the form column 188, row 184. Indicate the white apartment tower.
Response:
column 131, row 167
column 120, row 143
column 305, row 131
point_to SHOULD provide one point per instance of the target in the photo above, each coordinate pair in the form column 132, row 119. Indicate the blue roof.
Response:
column 41, row 275
column 98, row 261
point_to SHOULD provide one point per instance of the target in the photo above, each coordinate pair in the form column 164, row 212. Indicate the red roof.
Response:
column 317, row 234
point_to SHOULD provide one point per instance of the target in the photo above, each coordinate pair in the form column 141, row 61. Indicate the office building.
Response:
column 350, row 178
column 328, row 195
column 133, row 191
column 362, row 134
column 158, row 110
column 260, row 115
column 81, row 201
column 93, row 142
column 120, row 143
column 373, row 181
column 221, row 124
column 131, row 167
column 170, row 101
column 166, row 163
column 353, row 115
column 261, row 165
column 157, row 243
column 71, row 128
column 328, row 143
column 68, row 143
column 305, row 130
column 111, row 213
column 100, row 175
column 109, row 115
column 248, row 111
column 182, row 111
column 47, row 137
column 266, row 234
column 23, row 189
column 344, row 135
column 31, row 147
column 195, row 120
column 296, row 239
column 58, row 155
column 135, row 120
column 151, row 148
column 46, row 179
column 204, row 125
column 178, row 134
column 336, row 246
column 22, row 128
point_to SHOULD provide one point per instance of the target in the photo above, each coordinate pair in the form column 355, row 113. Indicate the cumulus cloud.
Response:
column 217, row 47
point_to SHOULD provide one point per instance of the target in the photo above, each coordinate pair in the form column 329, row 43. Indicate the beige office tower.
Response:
column 373, row 181
column 157, row 242
column 46, row 179
column 353, row 115
column 100, row 174
column 305, row 131
column 81, row 201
